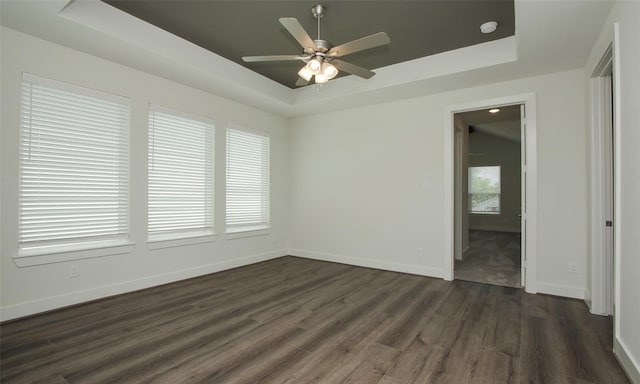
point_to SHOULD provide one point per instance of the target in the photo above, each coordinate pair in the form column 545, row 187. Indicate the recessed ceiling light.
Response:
column 488, row 27
column 494, row 110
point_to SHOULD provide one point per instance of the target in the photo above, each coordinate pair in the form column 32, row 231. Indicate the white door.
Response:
column 608, row 193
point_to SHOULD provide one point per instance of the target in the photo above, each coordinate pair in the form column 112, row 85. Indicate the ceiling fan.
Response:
column 320, row 55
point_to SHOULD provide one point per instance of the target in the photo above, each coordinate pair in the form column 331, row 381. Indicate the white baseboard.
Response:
column 42, row 305
column 587, row 301
column 561, row 290
column 630, row 365
column 369, row 263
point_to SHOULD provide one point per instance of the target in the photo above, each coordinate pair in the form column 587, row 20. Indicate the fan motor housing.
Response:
column 323, row 45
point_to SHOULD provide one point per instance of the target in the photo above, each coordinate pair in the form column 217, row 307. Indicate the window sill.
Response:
column 60, row 254
column 160, row 243
column 247, row 233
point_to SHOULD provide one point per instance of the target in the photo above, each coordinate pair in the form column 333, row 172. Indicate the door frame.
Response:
column 604, row 122
column 530, row 204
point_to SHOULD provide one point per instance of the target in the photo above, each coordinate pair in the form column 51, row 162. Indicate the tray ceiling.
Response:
column 233, row 29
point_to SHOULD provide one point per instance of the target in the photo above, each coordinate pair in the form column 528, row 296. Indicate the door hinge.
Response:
column 608, row 223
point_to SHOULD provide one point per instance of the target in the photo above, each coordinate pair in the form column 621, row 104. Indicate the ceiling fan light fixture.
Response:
column 321, row 78
column 329, row 70
column 305, row 73
column 314, row 65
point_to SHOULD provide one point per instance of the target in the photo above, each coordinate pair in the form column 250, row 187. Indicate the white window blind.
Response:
column 247, row 181
column 180, row 185
column 73, row 183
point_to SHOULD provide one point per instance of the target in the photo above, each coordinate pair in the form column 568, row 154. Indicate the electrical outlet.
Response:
column 419, row 252
column 573, row 267
column 74, row 271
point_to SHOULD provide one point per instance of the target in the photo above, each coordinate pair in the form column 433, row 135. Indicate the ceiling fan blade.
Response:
column 301, row 82
column 295, row 29
column 353, row 69
column 368, row 42
column 250, row 59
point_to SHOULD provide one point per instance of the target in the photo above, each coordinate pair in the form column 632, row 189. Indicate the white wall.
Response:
column 367, row 183
column 626, row 14
column 32, row 289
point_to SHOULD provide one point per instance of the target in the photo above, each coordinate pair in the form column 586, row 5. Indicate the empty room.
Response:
column 372, row 192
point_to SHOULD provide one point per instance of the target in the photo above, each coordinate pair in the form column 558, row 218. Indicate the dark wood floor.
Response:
column 292, row 320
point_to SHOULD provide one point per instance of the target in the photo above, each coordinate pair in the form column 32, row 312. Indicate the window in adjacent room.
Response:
column 247, row 188
column 484, row 189
column 73, row 168
column 180, row 178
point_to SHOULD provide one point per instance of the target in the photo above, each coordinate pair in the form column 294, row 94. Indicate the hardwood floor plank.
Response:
column 389, row 380
column 408, row 325
column 545, row 357
column 257, row 356
column 462, row 345
column 321, row 366
column 504, row 326
column 417, row 362
column 371, row 368
column 316, row 301
column 298, row 321
column 496, row 367
column 55, row 379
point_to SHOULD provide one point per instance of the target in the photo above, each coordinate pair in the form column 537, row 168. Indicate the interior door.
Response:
column 608, row 192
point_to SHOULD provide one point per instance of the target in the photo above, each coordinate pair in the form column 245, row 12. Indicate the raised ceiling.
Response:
column 233, row 29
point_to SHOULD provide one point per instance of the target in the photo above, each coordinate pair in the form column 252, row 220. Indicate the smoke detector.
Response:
column 488, row 27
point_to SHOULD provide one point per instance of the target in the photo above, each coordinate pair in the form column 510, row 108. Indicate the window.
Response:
column 484, row 190
column 247, row 181
column 73, row 168
column 180, row 162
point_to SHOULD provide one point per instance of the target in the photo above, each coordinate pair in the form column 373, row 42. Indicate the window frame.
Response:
column 235, row 232
column 76, row 249
column 499, row 194
column 182, row 237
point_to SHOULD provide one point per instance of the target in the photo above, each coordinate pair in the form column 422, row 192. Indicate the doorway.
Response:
column 602, row 187
column 489, row 196
column 529, row 184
